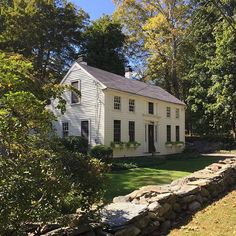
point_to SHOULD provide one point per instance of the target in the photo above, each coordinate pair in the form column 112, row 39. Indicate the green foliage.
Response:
column 102, row 153
column 88, row 178
column 39, row 180
column 133, row 144
column 75, row 144
column 103, row 45
column 46, row 32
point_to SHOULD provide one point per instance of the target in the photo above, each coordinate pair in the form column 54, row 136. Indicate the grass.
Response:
column 153, row 171
column 217, row 219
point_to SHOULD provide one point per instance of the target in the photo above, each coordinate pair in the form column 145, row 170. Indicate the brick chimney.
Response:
column 128, row 72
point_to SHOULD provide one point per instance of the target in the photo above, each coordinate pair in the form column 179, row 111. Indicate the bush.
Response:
column 102, row 153
column 76, row 144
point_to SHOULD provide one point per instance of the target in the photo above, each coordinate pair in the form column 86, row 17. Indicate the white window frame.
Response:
column 117, row 103
column 177, row 113
column 168, row 112
column 89, row 126
column 79, row 88
column 132, row 106
column 62, row 128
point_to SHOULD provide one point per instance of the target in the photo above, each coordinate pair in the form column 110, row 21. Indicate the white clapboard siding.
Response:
column 91, row 107
column 97, row 106
column 141, row 119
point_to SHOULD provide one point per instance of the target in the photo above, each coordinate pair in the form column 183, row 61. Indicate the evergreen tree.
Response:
column 103, row 45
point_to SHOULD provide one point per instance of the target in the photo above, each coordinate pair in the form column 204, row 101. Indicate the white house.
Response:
column 113, row 109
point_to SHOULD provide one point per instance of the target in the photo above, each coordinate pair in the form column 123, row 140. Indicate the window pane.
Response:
column 131, row 105
column 150, row 108
column 74, row 95
column 117, row 103
column 85, row 129
column 65, row 129
column 117, row 130
column 177, row 133
column 168, row 133
column 131, row 131
column 177, row 113
column 168, row 112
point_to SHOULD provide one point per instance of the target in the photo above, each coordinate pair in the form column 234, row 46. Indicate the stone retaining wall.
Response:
column 153, row 210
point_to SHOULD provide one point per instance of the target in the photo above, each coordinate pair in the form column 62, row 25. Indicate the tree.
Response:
column 103, row 45
column 223, row 69
column 49, row 33
column 39, row 179
column 212, row 69
column 158, row 27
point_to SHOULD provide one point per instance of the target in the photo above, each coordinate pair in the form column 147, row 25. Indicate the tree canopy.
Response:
column 104, row 45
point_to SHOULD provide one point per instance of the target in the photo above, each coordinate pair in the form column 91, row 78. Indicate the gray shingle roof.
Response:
column 121, row 83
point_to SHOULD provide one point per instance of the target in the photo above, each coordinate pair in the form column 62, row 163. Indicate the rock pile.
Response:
column 153, row 210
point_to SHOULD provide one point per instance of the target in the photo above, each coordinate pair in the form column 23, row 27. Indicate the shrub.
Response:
column 102, row 152
column 76, row 144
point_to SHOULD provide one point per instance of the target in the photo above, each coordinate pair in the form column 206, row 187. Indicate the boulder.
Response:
column 121, row 199
column 117, row 214
column 164, row 209
column 142, row 222
column 189, row 198
column 154, row 206
column 194, row 206
column 128, row 231
column 205, row 193
column 165, row 226
column 177, row 207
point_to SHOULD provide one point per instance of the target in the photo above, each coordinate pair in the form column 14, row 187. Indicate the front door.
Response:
column 85, row 129
column 151, row 147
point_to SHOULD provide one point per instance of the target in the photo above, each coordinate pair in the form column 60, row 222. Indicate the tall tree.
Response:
column 212, row 71
column 48, row 32
column 103, row 45
column 39, row 179
column 158, row 27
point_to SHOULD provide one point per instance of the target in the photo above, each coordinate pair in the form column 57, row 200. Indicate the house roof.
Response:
column 117, row 82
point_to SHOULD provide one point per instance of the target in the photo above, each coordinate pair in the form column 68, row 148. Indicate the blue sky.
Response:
column 95, row 8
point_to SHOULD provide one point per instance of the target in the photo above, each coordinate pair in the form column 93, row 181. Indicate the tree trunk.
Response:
column 175, row 81
column 233, row 127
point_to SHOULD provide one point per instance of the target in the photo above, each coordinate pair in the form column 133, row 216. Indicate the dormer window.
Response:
column 74, row 95
column 117, row 103
column 150, row 108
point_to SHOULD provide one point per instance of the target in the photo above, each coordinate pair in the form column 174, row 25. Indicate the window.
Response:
column 168, row 133
column 65, row 129
column 177, row 133
column 131, row 105
column 117, row 103
column 150, row 108
column 131, row 131
column 177, row 113
column 117, row 131
column 74, row 95
column 168, row 112
column 85, row 129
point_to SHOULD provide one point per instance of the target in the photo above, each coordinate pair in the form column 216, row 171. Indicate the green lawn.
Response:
column 152, row 170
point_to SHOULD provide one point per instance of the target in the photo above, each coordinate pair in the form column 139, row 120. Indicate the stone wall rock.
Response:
column 153, row 210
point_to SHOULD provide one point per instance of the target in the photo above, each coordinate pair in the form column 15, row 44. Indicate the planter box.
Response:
column 169, row 145
column 180, row 145
column 117, row 145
